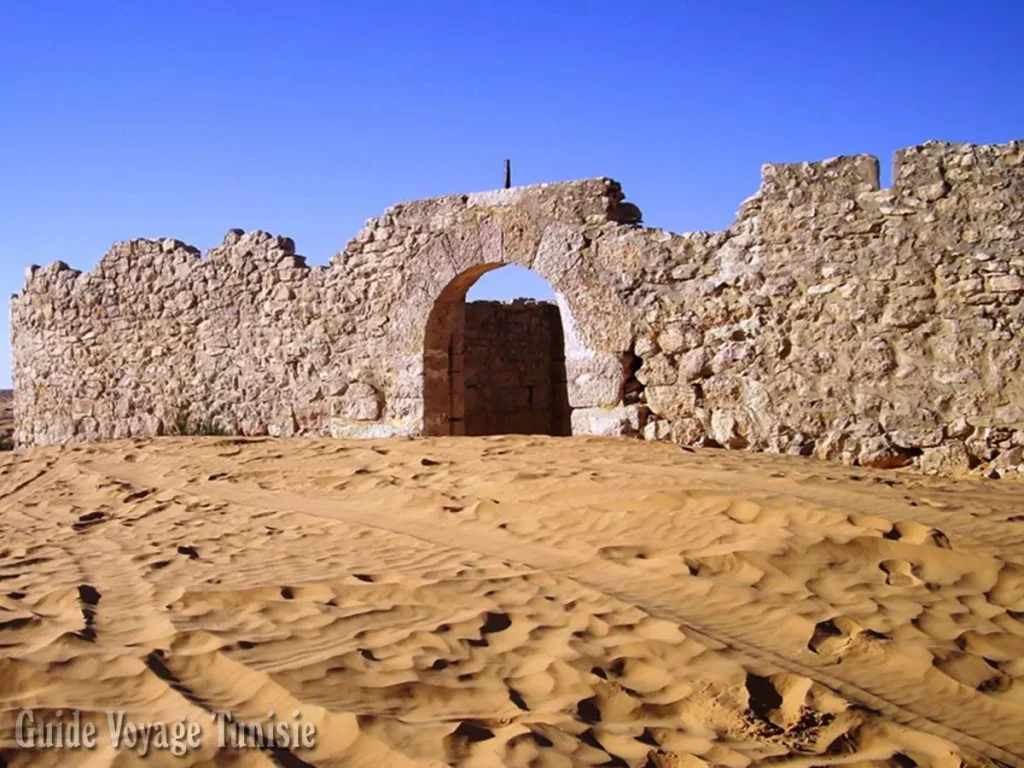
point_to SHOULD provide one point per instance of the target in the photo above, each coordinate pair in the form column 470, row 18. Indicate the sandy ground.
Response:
column 511, row 601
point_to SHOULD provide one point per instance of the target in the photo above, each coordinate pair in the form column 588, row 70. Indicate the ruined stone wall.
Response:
column 514, row 369
column 872, row 326
column 878, row 327
column 250, row 340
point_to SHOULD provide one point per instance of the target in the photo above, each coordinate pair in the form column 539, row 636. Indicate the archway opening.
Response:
column 494, row 361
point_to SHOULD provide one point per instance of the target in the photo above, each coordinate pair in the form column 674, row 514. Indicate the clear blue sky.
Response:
column 138, row 119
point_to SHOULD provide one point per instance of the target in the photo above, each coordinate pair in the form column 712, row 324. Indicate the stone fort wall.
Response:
column 878, row 327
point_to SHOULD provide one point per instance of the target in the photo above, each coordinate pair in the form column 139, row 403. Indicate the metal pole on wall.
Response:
column 508, row 173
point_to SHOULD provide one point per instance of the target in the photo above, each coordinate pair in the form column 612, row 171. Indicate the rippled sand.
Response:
column 512, row 601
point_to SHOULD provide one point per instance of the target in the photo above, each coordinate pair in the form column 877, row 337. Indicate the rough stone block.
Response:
column 339, row 428
column 673, row 401
column 595, row 380
column 361, row 402
column 726, row 429
column 949, row 459
column 621, row 421
column 679, row 337
column 657, row 370
column 560, row 248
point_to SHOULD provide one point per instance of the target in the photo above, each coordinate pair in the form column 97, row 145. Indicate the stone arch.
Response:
column 595, row 325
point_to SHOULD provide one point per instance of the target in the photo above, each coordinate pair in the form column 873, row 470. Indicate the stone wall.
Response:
column 514, row 369
column 873, row 326
column 876, row 327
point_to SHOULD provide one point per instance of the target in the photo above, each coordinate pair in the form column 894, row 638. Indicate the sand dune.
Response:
column 512, row 601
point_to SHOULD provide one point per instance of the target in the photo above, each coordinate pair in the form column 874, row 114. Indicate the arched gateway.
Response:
column 494, row 368
column 248, row 339
column 569, row 378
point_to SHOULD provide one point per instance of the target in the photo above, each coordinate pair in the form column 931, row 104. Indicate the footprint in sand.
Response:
column 836, row 636
column 899, row 573
column 915, row 533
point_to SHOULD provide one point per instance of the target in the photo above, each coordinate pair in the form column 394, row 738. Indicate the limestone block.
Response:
column 726, row 429
column 282, row 425
column 879, row 453
column 405, row 409
column 601, row 321
column 341, row 428
column 1006, row 283
column 657, row 370
column 949, row 459
column 595, row 380
column 361, row 402
column 673, row 401
column 688, row 431
column 559, row 249
column 646, row 347
column 659, row 429
column 677, row 338
column 693, row 365
column 732, row 356
column 1011, row 459
column 621, row 421
column 917, row 438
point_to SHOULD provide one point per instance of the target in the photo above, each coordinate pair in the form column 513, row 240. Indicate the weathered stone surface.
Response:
column 595, row 380
column 868, row 326
column 513, row 375
column 727, row 430
column 1011, row 459
column 693, row 365
column 679, row 338
column 620, row 421
column 659, row 429
column 949, row 459
column 656, row 370
column 673, row 401
column 361, row 402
